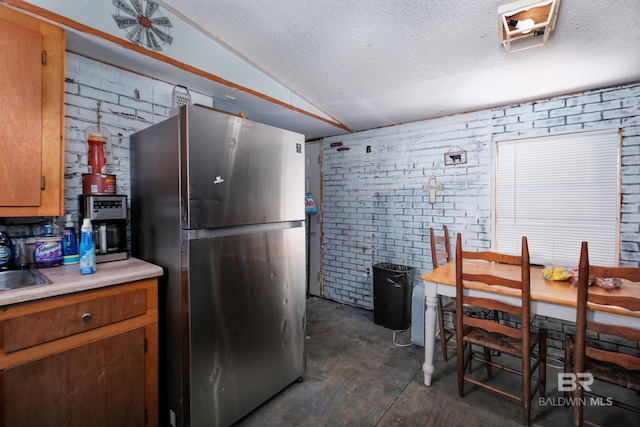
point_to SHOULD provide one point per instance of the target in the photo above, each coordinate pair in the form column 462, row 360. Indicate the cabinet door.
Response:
column 31, row 116
column 20, row 114
column 97, row 384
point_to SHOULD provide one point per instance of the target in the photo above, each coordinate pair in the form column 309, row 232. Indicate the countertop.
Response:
column 67, row 279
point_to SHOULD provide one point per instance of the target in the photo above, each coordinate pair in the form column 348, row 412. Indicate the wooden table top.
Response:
column 553, row 292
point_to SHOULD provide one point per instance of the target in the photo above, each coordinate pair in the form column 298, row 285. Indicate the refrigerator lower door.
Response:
column 247, row 320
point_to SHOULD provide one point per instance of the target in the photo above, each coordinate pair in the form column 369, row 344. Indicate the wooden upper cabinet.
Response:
column 31, row 116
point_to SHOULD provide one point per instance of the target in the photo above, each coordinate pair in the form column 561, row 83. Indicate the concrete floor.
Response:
column 357, row 376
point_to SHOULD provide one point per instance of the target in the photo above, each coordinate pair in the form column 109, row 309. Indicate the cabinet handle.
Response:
column 87, row 317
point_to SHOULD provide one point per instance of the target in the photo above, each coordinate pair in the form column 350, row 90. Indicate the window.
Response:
column 559, row 191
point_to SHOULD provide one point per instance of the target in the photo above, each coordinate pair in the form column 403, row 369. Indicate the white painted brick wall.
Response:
column 374, row 207
column 376, row 211
column 129, row 102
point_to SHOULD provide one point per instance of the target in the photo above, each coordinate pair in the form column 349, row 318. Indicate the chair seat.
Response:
column 613, row 373
column 496, row 341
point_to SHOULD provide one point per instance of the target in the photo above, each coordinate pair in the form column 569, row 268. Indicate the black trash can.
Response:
column 392, row 287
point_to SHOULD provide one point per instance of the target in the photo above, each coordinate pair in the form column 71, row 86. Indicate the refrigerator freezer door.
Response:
column 247, row 319
column 238, row 171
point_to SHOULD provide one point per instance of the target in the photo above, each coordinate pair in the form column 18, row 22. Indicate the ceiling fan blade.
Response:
column 125, row 21
column 137, row 5
column 164, row 37
column 151, row 8
column 120, row 4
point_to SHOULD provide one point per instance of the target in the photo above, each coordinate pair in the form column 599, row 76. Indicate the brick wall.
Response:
column 127, row 102
column 375, row 209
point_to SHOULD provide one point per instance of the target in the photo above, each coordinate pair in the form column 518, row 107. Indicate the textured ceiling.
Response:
column 374, row 63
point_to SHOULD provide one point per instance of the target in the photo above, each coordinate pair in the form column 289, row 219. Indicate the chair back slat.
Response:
column 627, row 361
column 491, row 280
column 630, row 273
column 617, row 330
column 442, row 256
column 625, row 301
column 493, row 304
column 492, row 326
column 493, row 257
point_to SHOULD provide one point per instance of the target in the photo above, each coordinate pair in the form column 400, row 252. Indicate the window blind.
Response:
column 559, row 191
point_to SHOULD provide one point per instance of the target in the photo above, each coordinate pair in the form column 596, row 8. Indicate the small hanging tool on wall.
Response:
column 181, row 96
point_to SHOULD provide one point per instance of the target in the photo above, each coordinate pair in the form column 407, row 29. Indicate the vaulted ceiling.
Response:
column 375, row 63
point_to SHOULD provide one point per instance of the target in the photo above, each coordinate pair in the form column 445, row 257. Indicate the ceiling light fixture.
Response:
column 527, row 23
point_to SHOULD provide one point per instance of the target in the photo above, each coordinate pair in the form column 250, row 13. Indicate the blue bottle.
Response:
column 87, row 248
column 6, row 252
column 70, row 253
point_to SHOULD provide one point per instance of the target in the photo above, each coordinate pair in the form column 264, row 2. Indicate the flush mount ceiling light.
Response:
column 527, row 23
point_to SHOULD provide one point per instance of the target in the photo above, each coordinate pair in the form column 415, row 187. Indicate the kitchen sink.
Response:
column 14, row 279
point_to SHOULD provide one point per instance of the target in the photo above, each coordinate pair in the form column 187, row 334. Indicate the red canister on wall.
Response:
column 97, row 160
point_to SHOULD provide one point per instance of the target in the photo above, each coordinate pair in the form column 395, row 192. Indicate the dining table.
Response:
column 556, row 299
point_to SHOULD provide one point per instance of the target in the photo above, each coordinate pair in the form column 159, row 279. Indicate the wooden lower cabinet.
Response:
column 96, row 384
column 104, row 375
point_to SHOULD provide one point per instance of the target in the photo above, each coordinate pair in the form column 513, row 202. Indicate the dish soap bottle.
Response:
column 69, row 242
column 48, row 249
column 87, row 248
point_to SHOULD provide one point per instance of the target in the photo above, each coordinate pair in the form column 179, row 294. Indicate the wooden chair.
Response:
column 509, row 340
column 441, row 250
column 605, row 365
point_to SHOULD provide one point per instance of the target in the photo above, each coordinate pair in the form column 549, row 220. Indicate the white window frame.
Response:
column 560, row 190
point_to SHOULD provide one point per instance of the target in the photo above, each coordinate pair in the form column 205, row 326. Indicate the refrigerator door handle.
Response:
column 207, row 233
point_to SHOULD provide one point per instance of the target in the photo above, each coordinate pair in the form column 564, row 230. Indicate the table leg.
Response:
column 431, row 297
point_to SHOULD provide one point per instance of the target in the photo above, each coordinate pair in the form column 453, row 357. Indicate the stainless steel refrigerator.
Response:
column 218, row 202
